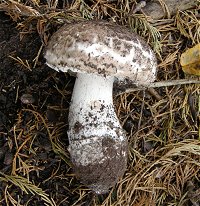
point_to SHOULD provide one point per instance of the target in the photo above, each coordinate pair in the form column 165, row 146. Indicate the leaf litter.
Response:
column 162, row 124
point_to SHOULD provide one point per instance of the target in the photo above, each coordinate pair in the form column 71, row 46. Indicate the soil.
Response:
column 29, row 93
column 102, row 175
column 39, row 86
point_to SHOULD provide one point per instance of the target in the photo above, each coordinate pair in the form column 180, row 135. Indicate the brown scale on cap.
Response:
column 103, row 48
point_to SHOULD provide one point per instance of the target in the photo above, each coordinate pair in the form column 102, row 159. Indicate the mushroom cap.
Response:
column 102, row 48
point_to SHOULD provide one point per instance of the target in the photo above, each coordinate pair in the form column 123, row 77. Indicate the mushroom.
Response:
column 99, row 53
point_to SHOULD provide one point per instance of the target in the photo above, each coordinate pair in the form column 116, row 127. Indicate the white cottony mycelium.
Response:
column 92, row 119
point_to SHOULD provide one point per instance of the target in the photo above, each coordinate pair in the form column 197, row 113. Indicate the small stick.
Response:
column 154, row 93
column 163, row 84
column 141, row 112
column 138, row 7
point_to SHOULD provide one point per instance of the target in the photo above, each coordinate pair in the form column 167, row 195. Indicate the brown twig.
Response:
column 162, row 84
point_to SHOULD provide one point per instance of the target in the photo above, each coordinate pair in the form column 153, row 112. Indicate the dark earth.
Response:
column 25, row 89
column 20, row 86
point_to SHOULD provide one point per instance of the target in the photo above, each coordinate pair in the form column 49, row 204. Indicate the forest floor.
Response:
column 162, row 124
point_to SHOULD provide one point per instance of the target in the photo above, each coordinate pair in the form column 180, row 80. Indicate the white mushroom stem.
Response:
column 90, row 94
column 92, row 118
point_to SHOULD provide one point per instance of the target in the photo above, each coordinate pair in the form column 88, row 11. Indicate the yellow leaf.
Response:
column 192, row 69
column 190, row 60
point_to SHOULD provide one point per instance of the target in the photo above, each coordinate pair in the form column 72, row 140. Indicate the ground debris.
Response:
column 162, row 125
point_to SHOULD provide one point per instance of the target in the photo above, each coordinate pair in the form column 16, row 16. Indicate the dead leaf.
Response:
column 190, row 60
